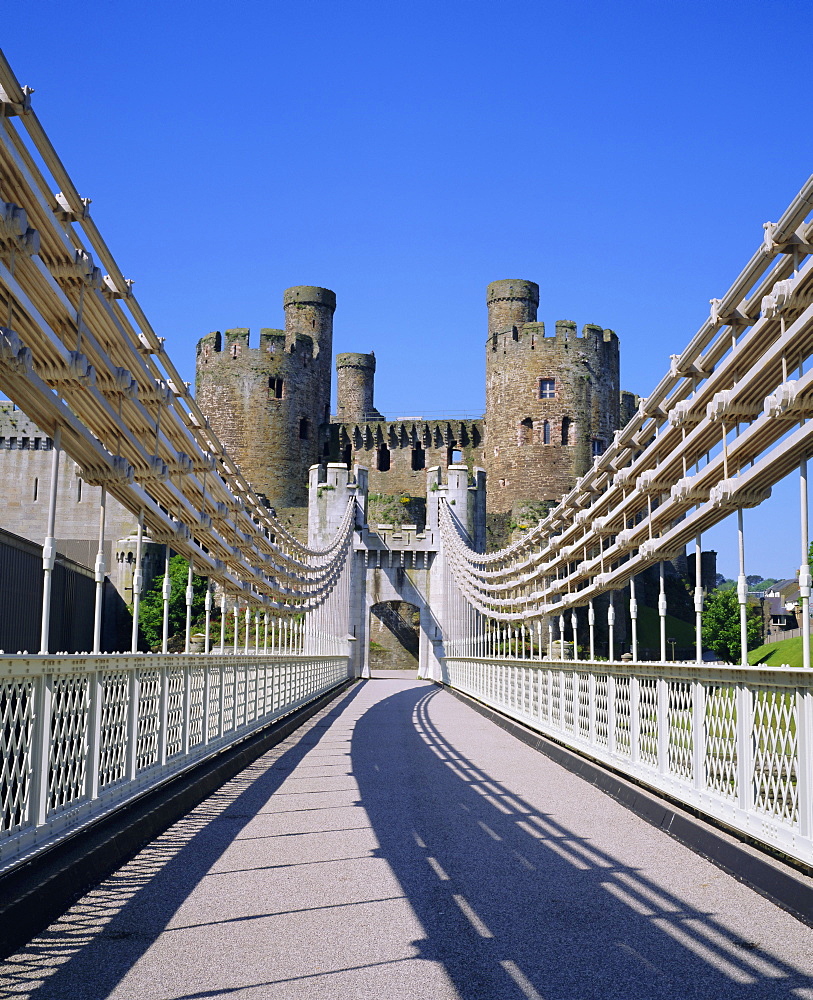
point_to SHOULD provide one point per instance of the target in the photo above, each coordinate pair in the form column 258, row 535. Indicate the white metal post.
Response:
column 591, row 621
column 99, row 573
column 265, row 632
column 662, row 608
column 138, row 581
column 248, row 629
column 574, row 621
column 634, row 620
column 190, row 593
column 742, row 591
column 698, row 600
column 49, row 547
column 222, row 623
column 611, row 628
column 236, row 612
column 166, row 591
column 207, row 644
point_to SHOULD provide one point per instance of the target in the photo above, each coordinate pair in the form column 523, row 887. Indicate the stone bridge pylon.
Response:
column 395, row 563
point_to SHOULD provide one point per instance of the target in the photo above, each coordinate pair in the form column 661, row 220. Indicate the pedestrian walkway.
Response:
column 399, row 846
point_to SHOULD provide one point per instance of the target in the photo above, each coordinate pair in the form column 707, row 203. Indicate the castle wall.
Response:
column 269, row 404
column 408, row 448
column 552, row 402
column 25, row 478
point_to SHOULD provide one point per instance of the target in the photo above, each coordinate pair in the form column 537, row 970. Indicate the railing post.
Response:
column 186, row 716
column 804, row 762
column 41, row 749
column 96, row 693
column 699, row 734
column 163, row 713
column 591, row 621
column 662, row 687
column 133, row 695
column 635, row 718
column 611, row 714
column 634, row 620
column 591, row 708
column 745, row 750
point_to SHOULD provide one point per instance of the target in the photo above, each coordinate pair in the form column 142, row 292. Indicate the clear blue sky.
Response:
column 622, row 155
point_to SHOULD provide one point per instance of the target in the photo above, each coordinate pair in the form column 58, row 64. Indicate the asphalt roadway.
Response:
column 399, row 845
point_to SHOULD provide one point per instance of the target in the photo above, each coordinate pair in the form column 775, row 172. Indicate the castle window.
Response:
column 383, row 458
column 566, row 430
column 546, row 432
column 547, row 388
column 347, row 455
column 304, row 429
column 24, row 444
column 37, row 443
column 598, row 447
column 525, row 431
column 454, row 457
column 275, row 387
column 235, row 350
column 36, row 488
column 78, row 490
column 514, row 333
column 418, row 459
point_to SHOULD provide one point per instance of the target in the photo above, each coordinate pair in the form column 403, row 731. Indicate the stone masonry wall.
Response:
column 551, row 402
column 25, row 478
column 269, row 404
column 398, row 453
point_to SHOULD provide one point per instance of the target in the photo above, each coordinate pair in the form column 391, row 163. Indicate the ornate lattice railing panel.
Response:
column 80, row 736
column 727, row 741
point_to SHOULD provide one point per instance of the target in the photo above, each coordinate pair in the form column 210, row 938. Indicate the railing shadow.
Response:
column 92, row 947
column 515, row 905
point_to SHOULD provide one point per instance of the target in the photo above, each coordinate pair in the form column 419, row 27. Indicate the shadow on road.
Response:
column 516, row 906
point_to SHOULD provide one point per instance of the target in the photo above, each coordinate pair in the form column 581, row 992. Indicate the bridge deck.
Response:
column 401, row 846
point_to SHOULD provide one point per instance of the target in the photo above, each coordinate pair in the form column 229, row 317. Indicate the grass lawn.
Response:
column 787, row 651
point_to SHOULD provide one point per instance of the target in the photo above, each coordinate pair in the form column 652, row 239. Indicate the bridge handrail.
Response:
column 84, row 735
column 732, row 743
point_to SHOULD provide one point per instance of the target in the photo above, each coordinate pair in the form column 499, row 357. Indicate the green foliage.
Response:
column 721, row 625
column 151, row 616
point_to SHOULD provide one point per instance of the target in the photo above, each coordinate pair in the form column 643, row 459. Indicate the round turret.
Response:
column 270, row 405
column 354, row 383
column 511, row 302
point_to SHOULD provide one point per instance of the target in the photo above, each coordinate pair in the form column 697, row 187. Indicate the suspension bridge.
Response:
column 386, row 835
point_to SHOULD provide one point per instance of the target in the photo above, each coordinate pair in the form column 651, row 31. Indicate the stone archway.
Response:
column 394, row 635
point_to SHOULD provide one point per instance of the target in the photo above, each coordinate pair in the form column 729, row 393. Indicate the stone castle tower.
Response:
column 552, row 402
column 269, row 404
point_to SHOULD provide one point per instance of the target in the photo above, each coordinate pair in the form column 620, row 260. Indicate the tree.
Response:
column 721, row 625
column 151, row 615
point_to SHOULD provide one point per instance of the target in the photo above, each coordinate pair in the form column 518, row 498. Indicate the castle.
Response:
column 552, row 403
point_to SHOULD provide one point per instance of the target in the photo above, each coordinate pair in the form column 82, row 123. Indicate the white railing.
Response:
column 83, row 735
column 735, row 744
